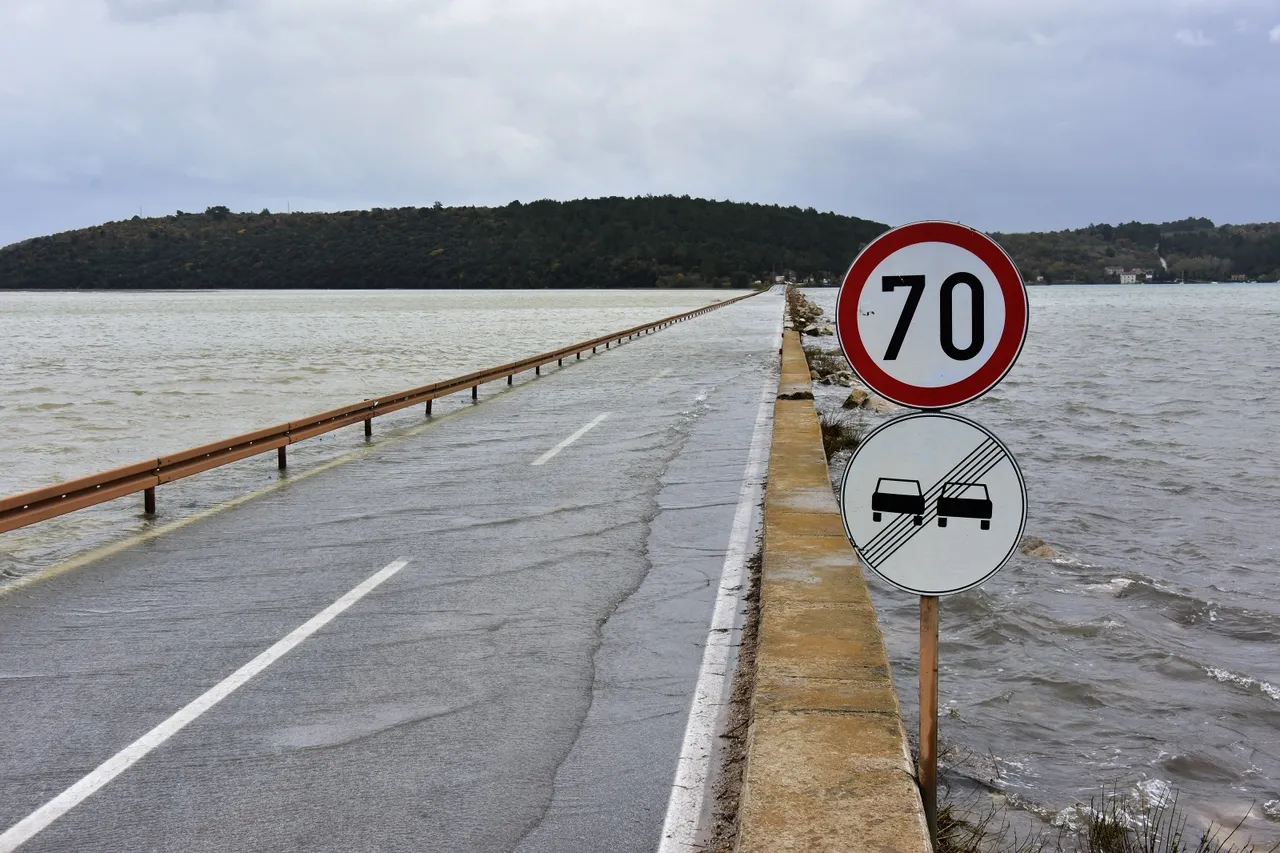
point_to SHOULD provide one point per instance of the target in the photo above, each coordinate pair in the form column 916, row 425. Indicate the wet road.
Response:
column 477, row 641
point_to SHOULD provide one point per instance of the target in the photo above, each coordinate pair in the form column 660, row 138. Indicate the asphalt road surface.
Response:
column 483, row 636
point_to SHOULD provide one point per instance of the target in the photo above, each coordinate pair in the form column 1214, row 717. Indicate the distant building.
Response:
column 1239, row 278
column 1131, row 276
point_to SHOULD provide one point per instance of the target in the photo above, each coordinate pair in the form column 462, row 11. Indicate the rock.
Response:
column 813, row 374
column 843, row 379
column 858, row 399
column 812, row 331
column 1034, row 546
column 797, row 395
column 826, row 330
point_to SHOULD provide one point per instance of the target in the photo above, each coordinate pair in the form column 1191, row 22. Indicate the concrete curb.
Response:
column 828, row 768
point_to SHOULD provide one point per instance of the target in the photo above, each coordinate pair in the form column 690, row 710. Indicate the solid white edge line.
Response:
column 693, row 769
column 550, row 454
column 25, row 829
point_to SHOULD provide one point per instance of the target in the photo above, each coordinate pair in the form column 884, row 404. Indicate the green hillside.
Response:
column 1194, row 249
column 654, row 241
column 609, row 242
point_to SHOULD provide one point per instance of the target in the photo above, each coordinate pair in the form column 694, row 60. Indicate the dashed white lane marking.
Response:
column 710, row 696
column 551, row 454
column 25, row 829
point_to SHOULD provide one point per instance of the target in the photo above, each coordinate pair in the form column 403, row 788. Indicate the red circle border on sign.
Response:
column 996, row 366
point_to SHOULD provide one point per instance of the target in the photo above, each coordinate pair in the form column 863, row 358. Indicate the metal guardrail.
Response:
column 59, row 499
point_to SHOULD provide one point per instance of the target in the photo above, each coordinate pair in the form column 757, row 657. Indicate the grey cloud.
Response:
column 1193, row 38
column 1001, row 113
column 150, row 10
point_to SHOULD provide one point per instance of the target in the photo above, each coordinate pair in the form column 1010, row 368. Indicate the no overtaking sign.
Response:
column 933, row 503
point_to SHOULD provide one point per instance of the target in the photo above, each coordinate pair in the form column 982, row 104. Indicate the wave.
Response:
column 1226, row 677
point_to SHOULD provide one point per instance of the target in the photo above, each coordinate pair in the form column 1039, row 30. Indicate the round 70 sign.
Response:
column 932, row 315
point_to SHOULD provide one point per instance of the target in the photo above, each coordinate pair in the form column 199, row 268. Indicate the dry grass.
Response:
column 1113, row 822
column 825, row 362
column 840, row 432
column 982, row 831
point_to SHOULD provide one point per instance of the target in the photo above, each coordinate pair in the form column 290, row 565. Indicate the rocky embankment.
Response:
column 828, row 367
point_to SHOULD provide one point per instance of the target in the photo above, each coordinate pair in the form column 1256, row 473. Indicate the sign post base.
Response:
column 928, row 765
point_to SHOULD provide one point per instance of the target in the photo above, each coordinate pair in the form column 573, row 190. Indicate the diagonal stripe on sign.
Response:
column 932, row 513
column 903, row 529
column 909, row 529
column 896, row 526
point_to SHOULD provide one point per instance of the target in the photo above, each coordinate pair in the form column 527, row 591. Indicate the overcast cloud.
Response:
column 1004, row 114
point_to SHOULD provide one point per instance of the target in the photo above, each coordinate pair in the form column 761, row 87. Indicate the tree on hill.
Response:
column 607, row 242
column 648, row 241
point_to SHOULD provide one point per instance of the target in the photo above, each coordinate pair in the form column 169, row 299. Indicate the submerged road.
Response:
column 485, row 636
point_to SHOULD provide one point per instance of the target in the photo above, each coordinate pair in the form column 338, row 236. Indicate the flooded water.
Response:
column 1146, row 658
column 92, row 381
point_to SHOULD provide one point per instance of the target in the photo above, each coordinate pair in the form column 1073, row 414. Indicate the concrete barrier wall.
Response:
column 828, row 766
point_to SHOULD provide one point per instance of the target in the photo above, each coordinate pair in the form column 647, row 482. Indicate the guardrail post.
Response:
column 509, row 377
column 537, row 371
column 368, row 428
column 475, row 392
column 282, row 458
column 149, row 501
column 560, row 362
column 579, row 358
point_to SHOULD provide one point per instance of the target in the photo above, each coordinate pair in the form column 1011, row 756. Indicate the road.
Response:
column 485, row 636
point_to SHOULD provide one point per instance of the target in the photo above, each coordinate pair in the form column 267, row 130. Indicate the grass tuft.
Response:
column 1114, row 822
column 840, row 433
column 978, row 831
column 825, row 362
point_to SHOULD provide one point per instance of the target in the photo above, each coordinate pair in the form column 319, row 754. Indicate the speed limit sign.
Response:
column 932, row 315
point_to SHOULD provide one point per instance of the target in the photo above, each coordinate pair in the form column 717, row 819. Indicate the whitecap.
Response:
column 1153, row 793
column 1224, row 676
column 1115, row 587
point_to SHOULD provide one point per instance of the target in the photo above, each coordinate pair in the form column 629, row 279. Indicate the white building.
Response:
column 1128, row 278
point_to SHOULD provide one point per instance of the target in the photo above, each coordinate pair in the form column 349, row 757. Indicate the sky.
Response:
column 1006, row 115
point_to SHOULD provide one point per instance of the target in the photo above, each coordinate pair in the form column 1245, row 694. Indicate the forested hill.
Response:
column 1187, row 249
column 610, row 242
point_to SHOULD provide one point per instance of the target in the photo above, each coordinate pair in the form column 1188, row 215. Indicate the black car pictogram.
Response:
column 964, row 500
column 897, row 496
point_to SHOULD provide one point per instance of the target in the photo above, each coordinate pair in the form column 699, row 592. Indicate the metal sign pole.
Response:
column 928, row 769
